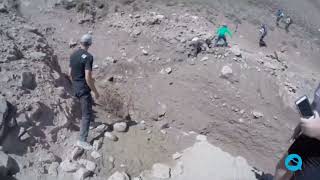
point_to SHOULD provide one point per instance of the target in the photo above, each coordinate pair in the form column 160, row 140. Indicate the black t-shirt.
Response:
column 80, row 61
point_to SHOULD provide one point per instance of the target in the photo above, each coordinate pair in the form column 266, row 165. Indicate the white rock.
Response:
column 257, row 114
column 53, row 169
column 204, row 58
column 176, row 156
column 81, row 174
column 201, row 137
column 236, row 50
column 145, row 52
column 111, row 136
column 168, row 70
column 95, row 154
column 91, row 166
column 160, row 171
column 97, row 144
column 226, row 72
column 119, row 176
column 120, row 127
column 68, row 166
column 101, row 128
column 76, row 153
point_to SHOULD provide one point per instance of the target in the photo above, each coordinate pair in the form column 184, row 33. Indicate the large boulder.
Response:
column 4, row 112
column 28, row 80
column 8, row 166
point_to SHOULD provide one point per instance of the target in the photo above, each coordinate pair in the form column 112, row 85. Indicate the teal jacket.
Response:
column 223, row 30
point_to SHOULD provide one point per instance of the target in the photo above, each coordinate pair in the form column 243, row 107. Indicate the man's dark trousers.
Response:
column 87, row 115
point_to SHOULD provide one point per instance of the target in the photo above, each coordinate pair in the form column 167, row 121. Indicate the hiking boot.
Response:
column 84, row 145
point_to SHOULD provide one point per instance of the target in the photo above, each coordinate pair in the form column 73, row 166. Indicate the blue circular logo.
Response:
column 293, row 162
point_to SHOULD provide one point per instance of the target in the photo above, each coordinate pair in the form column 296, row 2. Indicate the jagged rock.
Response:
column 120, row 126
column 76, row 153
column 236, row 50
column 53, row 169
column 95, row 154
column 28, row 80
column 68, row 166
column 168, row 70
column 257, row 114
column 97, row 144
column 101, row 128
column 37, row 56
column 119, row 176
column 22, row 130
column 110, row 136
column 81, row 174
column 91, row 166
column 226, row 72
column 45, row 156
column 161, row 171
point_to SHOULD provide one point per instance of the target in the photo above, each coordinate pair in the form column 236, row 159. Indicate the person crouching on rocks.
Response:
column 80, row 72
column 221, row 33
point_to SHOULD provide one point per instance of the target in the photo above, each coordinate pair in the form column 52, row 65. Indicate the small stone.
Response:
column 163, row 131
column 97, row 144
column 25, row 136
column 76, row 153
column 81, row 174
column 160, row 171
column 3, row 8
column 119, row 176
column 91, row 166
column 236, row 50
column 37, row 56
column 120, row 127
column 53, row 169
column 204, row 58
column 168, row 70
column 95, row 154
column 111, row 136
column 201, row 137
column 176, row 156
column 21, row 131
column 241, row 120
column 162, row 109
column 111, row 159
column 257, row 114
column 226, row 72
column 101, row 128
column 145, row 52
column 68, row 166
column 72, row 43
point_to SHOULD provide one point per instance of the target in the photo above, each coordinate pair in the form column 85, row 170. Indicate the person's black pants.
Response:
column 87, row 115
column 222, row 38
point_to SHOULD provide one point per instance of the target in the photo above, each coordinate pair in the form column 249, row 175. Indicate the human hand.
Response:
column 311, row 126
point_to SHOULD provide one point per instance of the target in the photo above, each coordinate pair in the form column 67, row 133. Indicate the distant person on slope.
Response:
column 80, row 72
column 279, row 15
column 288, row 22
column 263, row 34
column 221, row 33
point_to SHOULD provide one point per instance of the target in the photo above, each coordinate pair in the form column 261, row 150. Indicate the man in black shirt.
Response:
column 80, row 72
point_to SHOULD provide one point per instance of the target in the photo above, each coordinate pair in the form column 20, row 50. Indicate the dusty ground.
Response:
column 194, row 95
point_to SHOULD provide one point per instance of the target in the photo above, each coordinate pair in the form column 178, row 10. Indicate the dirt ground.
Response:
column 194, row 95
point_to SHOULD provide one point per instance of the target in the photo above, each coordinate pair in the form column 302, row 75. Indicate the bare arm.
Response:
column 90, row 82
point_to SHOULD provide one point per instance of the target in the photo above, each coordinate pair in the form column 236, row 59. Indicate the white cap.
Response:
column 86, row 39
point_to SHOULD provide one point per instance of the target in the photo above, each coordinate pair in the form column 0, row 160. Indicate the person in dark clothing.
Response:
column 288, row 22
column 80, row 72
column 279, row 15
column 263, row 34
column 307, row 146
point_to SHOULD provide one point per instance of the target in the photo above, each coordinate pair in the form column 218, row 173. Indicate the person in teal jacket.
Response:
column 221, row 33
